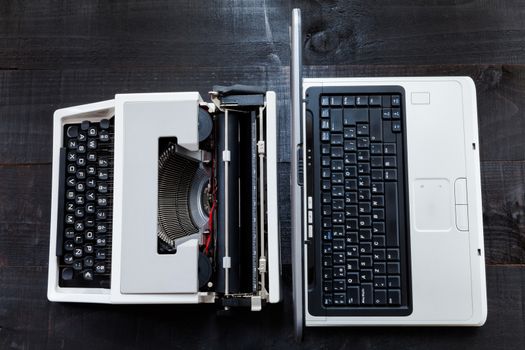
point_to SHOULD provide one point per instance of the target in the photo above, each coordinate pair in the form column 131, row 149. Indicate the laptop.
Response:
column 386, row 200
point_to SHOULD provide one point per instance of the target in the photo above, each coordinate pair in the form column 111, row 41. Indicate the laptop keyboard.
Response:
column 360, row 255
column 85, row 205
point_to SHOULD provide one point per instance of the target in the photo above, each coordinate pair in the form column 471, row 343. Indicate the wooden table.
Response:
column 55, row 54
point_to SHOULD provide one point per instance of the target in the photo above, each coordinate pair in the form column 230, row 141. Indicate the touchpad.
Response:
column 433, row 208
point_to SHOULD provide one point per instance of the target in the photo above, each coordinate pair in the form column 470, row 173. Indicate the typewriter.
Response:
column 165, row 198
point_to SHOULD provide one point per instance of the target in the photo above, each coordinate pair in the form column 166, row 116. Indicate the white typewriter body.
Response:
column 139, row 274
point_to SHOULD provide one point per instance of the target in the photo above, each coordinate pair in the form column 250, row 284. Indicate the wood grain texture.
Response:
column 44, row 34
column 29, row 321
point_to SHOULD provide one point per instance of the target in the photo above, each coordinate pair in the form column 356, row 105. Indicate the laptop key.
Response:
column 367, row 293
column 394, row 297
column 380, row 297
column 339, row 298
column 352, row 295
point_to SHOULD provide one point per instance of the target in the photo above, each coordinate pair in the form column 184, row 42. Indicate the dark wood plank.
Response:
column 116, row 34
column 28, row 321
column 30, row 98
column 503, row 191
column 414, row 32
column 25, row 192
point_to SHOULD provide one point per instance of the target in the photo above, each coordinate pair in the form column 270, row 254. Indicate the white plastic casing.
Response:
column 446, row 236
column 131, row 217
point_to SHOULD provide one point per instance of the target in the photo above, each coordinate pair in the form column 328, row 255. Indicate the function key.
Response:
column 84, row 125
column 72, row 131
column 349, row 101
column 374, row 100
column 104, row 124
column 335, row 100
column 361, row 101
column 396, row 100
column 325, row 101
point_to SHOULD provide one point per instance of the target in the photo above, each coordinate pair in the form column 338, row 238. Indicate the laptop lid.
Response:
column 296, row 178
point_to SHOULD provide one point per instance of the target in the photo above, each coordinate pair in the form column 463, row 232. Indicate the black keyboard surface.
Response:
column 85, row 205
column 358, row 241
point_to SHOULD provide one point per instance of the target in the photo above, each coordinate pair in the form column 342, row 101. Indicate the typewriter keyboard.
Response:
column 85, row 205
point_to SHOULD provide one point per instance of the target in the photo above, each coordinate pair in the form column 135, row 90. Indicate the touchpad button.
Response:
column 433, row 205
